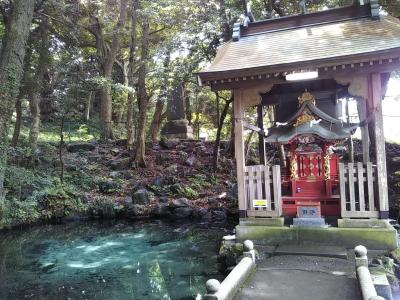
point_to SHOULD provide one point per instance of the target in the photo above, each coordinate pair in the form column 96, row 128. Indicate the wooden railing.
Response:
column 357, row 190
column 263, row 183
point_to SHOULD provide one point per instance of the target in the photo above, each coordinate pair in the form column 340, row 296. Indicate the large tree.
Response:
column 107, row 51
column 12, row 56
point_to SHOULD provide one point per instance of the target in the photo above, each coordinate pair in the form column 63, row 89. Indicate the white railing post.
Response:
column 277, row 186
column 228, row 288
column 364, row 276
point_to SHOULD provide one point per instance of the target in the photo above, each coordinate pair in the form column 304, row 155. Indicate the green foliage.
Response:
column 14, row 212
column 107, row 187
column 184, row 191
column 81, row 179
column 18, row 177
column 104, row 207
column 57, row 201
column 201, row 181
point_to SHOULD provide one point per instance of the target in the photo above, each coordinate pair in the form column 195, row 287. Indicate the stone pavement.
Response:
column 299, row 277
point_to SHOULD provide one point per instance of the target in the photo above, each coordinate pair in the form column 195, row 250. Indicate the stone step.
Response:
column 311, row 250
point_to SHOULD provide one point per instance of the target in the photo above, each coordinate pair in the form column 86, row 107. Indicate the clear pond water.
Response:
column 144, row 260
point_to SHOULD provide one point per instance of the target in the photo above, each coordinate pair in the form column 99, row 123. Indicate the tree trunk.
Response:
column 276, row 5
column 225, row 28
column 11, row 67
column 107, row 54
column 247, row 144
column 22, row 92
column 18, row 122
column 34, row 102
column 37, row 85
column 155, row 124
column 142, row 98
column 232, row 141
column 89, row 105
column 219, row 130
column 158, row 115
column 131, row 73
column 188, row 107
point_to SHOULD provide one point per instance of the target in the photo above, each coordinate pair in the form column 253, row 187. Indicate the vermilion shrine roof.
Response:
column 325, row 39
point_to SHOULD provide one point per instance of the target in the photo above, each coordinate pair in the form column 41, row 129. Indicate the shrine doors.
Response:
column 310, row 166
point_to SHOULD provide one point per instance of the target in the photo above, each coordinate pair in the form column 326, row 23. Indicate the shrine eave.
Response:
column 362, row 44
column 286, row 134
column 382, row 61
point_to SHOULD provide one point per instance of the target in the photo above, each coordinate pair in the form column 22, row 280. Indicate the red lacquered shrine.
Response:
column 342, row 53
column 311, row 166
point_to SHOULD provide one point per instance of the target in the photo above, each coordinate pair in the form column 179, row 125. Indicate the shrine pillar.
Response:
column 362, row 114
column 239, row 150
column 375, row 102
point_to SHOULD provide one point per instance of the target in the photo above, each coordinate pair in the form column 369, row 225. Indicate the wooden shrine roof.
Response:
column 352, row 38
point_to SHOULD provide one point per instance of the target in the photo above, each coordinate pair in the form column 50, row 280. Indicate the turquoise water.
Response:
column 145, row 260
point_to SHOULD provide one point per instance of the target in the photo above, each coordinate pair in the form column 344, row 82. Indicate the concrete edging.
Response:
column 373, row 238
column 367, row 287
column 228, row 288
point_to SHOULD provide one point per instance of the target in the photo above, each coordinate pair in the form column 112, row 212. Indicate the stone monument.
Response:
column 177, row 126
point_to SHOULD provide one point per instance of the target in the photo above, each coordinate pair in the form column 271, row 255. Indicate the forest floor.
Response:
column 96, row 179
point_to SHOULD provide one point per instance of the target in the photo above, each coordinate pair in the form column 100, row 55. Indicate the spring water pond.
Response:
column 108, row 260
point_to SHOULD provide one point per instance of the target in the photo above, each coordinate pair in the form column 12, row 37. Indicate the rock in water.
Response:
column 78, row 147
column 181, row 202
column 182, row 212
column 141, row 196
column 162, row 210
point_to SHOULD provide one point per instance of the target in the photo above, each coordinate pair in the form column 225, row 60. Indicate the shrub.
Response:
column 57, row 201
column 104, row 207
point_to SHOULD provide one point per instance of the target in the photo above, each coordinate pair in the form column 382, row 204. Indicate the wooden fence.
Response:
column 263, row 185
column 357, row 190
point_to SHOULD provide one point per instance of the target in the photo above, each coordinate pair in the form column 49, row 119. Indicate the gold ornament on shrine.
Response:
column 306, row 96
column 306, row 115
column 327, row 167
column 304, row 118
column 293, row 168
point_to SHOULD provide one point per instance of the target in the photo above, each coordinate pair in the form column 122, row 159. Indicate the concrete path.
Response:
column 302, row 278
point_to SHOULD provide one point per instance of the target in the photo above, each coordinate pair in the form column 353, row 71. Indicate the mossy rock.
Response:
column 229, row 255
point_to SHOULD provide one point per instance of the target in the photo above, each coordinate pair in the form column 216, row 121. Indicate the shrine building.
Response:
column 297, row 68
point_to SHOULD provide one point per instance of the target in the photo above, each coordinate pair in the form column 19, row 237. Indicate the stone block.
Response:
column 80, row 147
column 363, row 223
column 276, row 222
column 372, row 238
column 309, row 222
column 177, row 129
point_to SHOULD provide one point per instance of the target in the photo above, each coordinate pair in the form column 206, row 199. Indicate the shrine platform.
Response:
column 374, row 234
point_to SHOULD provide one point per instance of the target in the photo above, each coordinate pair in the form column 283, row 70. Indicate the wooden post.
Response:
column 342, row 182
column 239, row 150
column 362, row 113
column 375, row 98
column 261, row 142
column 277, row 186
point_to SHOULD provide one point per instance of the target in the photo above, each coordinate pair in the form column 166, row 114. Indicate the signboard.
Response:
column 308, row 212
column 308, row 209
column 259, row 203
